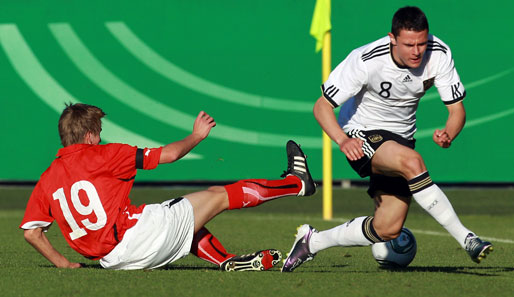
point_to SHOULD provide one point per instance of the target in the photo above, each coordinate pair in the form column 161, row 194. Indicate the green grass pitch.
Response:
column 441, row 267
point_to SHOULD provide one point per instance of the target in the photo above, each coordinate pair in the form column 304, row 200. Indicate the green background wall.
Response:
column 153, row 65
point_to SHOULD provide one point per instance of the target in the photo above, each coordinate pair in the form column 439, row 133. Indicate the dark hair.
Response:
column 78, row 119
column 409, row 18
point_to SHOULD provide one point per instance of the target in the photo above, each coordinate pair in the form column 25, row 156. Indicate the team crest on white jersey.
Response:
column 427, row 84
column 376, row 94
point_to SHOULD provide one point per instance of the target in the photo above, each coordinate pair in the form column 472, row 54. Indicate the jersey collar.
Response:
column 72, row 149
column 392, row 58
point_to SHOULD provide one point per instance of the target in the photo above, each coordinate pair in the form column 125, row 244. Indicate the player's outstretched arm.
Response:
column 37, row 238
column 454, row 124
column 324, row 114
column 176, row 150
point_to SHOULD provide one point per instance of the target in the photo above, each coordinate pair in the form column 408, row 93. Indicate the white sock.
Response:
column 435, row 202
column 347, row 234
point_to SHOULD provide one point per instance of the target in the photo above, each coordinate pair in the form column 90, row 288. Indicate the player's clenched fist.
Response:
column 441, row 138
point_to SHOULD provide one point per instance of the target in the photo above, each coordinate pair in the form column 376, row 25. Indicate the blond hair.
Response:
column 77, row 120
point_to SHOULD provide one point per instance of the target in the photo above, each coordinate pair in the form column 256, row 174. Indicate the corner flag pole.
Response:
column 320, row 29
column 327, row 142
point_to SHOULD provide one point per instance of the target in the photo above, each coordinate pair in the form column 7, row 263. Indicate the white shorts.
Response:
column 162, row 235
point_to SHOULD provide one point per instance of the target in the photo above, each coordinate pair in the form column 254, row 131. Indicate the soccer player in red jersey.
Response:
column 86, row 190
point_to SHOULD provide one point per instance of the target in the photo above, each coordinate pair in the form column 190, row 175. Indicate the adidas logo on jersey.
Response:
column 407, row 79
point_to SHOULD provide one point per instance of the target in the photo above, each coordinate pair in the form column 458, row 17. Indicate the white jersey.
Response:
column 384, row 95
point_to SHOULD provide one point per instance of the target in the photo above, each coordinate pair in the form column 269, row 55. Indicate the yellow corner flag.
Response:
column 320, row 22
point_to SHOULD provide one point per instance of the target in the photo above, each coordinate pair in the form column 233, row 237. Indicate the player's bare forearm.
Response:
column 456, row 119
column 40, row 242
column 178, row 149
column 454, row 124
column 324, row 114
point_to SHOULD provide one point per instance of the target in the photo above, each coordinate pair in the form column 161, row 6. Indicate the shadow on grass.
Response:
column 470, row 270
column 167, row 267
column 93, row 266
column 185, row 267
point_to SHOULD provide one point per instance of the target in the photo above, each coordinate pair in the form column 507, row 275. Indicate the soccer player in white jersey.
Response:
column 379, row 86
column 86, row 191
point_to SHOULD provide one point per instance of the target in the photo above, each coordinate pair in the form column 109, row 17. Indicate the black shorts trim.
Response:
column 373, row 139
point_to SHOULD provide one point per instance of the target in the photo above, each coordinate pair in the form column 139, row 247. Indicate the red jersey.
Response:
column 86, row 190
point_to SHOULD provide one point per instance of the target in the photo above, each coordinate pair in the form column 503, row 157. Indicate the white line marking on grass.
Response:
column 435, row 233
column 308, row 219
column 448, row 235
column 343, row 220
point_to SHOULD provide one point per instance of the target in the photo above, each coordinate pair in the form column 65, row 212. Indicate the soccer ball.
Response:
column 398, row 252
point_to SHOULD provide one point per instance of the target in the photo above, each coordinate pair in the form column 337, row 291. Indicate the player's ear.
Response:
column 88, row 138
column 393, row 39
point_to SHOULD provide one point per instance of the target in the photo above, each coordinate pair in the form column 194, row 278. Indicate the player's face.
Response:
column 409, row 47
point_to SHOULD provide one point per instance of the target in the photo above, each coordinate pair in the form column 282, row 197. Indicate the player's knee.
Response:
column 388, row 232
column 412, row 165
column 216, row 189
column 389, row 235
column 218, row 193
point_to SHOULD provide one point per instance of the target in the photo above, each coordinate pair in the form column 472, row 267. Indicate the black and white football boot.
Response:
column 297, row 166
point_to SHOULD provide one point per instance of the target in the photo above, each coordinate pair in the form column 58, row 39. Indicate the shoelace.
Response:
column 300, row 165
column 290, row 165
column 473, row 243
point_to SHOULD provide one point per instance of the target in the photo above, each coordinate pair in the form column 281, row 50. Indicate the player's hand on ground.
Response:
column 69, row 265
column 203, row 125
column 352, row 148
column 441, row 138
column 76, row 265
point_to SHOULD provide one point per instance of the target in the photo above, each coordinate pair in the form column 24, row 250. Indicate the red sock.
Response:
column 252, row 192
column 207, row 247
